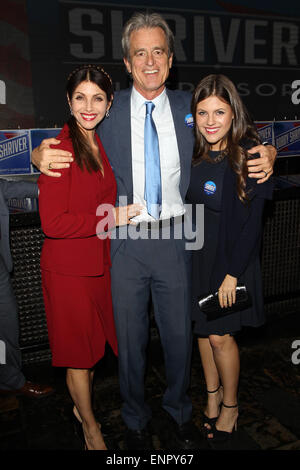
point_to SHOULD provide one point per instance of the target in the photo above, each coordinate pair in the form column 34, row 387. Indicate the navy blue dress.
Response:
column 206, row 187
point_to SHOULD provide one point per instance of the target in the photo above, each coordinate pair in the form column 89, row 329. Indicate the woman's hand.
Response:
column 123, row 214
column 227, row 293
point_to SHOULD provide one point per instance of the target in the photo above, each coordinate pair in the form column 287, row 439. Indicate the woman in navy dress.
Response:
column 233, row 205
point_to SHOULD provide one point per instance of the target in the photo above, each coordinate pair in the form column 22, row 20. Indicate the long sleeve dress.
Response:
column 232, row 235
column 75, row 262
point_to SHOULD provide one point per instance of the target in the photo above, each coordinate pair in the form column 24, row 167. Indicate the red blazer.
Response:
column 67, row 206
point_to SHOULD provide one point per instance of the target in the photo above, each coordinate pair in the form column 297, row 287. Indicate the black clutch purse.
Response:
column 209, row 304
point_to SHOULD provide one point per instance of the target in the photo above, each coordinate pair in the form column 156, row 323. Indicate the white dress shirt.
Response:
column 172, row 204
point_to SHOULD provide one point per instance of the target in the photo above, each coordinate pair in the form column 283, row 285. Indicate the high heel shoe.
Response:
column 77, row 425
column 78, row 430
column 223, row 436
column 210, row 421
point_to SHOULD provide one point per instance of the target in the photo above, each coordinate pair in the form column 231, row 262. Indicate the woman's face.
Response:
column 89, row 105
column 213, row 119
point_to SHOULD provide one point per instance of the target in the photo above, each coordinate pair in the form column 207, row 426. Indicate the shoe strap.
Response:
column 214, row 391
column 230, row 406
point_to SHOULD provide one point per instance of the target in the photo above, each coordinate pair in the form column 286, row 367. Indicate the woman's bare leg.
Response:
column 79, row 385
column 227, row 361
column 75, row 411
column 212, row 378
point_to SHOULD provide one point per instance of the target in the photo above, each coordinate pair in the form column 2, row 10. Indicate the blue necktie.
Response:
column 152, row 164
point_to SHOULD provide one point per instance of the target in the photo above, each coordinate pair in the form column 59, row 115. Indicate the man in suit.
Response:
column 151, row 265
column 12, row 379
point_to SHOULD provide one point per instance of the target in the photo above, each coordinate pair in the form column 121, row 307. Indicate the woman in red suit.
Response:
column 75, row 262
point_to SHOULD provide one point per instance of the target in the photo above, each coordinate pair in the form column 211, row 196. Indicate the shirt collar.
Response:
column 138, row 102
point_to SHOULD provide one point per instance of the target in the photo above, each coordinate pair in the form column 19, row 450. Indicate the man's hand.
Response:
column 124, row 214
column 43, row 156
column 262, row 167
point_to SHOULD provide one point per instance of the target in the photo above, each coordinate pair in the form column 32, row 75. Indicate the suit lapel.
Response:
column 184, row 138
column 123, row 164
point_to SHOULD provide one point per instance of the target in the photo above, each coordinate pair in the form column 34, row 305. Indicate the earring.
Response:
column 71, row 111
column 107, row 113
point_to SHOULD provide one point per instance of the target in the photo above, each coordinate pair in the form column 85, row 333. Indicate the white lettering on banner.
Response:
column 214, row 38
column 251, row 42
column 179, row 34
column 225, row 52
column 287, row 138
column 199, row 40
column 296, row 93
column 117, row 26
column 295, row 135
column 265, row 133
column 266, row 89
column 288, row 45
column 13, row 147
column 76, row 27
column 2, row 92
column 282, row 141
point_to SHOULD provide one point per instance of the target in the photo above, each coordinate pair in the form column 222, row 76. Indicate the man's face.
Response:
column 149, row 63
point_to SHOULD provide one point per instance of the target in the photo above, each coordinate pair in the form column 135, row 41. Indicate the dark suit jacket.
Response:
column 9, row 190
column 115, row 133
column 68, row 216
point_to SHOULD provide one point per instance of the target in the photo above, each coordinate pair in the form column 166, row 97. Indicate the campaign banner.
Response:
column 14, row 152
column 287, row 138
column 36, row 137
column 266, row 131
column 16, row 146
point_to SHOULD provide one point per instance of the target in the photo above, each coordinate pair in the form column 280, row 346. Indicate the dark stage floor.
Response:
column 269, row 397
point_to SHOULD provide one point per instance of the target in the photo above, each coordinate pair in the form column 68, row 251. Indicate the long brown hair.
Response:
column 83, row 154
column 242, row 128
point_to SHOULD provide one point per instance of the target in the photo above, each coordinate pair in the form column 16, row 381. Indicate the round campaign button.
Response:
column 189, row 121
column 210, row 187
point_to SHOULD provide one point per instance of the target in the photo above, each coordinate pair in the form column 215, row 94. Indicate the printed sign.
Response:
column 16, row 147
column 287, row 138
column 37, row 135
column 265, row 130
column 14, row 152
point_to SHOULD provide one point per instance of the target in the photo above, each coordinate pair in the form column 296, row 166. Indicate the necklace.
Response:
column 217, row 158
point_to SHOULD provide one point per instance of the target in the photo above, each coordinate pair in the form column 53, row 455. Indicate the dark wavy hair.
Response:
column 83, row 154
column 242, row 129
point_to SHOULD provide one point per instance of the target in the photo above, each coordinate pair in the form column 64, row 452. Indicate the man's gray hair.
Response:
column 145, row 20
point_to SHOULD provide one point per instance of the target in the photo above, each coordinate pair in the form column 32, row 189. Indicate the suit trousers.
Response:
column 157, row 269
column 11, row 377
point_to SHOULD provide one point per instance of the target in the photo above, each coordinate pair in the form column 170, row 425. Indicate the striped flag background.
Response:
column 16, row 95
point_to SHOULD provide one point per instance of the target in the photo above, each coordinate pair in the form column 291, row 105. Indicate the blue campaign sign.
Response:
column 16, row 146
column 266, row 131
column 37, row 135
column 287, row 138
column 14, row 152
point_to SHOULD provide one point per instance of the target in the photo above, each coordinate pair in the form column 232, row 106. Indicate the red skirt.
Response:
column 79, row 318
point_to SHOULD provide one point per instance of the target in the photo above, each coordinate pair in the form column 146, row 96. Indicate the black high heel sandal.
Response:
column 210, row 421
column 104, row 428
column 223, row 436
column 78, row 431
